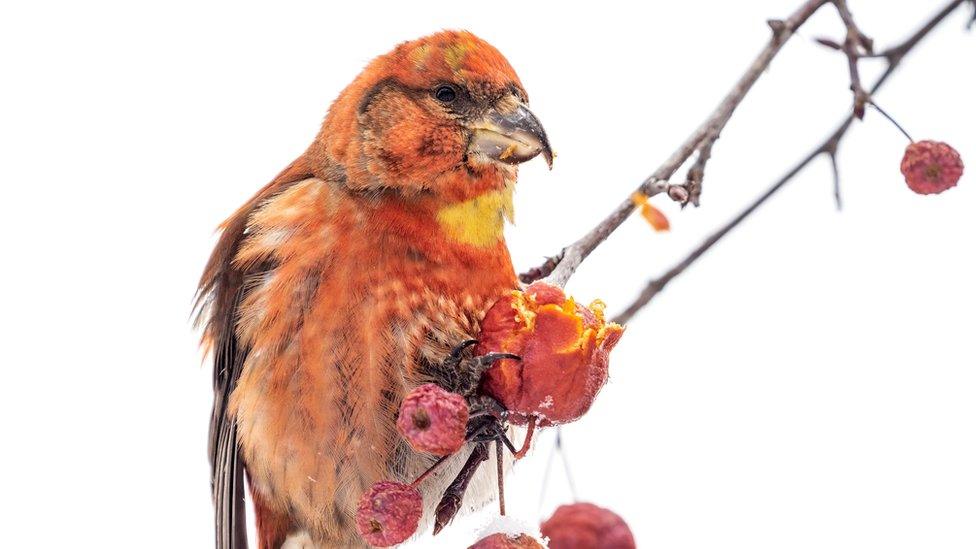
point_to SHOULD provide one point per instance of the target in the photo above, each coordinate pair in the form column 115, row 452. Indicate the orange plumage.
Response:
column 346, row 281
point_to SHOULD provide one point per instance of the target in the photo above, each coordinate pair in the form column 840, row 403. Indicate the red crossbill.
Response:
column 344, row 283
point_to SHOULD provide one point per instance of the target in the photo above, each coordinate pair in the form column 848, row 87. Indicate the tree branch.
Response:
column 856, row 45
column 829, row 147
column 832, row 154
column 563, row 265
column 696, row 174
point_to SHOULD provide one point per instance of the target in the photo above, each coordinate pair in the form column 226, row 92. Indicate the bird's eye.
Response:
column 445, row 94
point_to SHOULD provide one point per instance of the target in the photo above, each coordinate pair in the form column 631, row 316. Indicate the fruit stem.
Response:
column 429, row 470
column 500, row 467
column 440, row 461
column 528, row 439
column 892, row 120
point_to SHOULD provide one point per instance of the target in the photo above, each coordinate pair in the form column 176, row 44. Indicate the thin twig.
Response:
column 856, row 44
column 560, row 449
column 696, row 174
column 542, row 271
column 574, row 254
column 832, row 154
column 566, row 469
column 545, row 473
column 829, row 146
column 557, row 448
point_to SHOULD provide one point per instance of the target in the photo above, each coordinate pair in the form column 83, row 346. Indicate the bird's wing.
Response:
column 226, row 465
column 221, row 290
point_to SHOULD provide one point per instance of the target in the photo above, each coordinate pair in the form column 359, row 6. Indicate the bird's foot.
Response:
column 462, row 372
column 487, row 422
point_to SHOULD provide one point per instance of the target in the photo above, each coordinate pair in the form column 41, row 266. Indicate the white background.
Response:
column 811, row 382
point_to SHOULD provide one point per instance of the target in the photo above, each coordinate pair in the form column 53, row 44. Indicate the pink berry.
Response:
column 586, row 526
column 433, row 420
column 505, row 541
column 931, row 167
column 388, row 513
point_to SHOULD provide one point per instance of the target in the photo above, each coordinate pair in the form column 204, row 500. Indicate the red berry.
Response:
column 586, row 526
column 433, row 420
column 388, row 513
column 564, row 348
column 931, row 167
column 505, row 541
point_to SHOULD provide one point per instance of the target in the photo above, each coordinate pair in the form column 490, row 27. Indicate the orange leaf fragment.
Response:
column 655, row 217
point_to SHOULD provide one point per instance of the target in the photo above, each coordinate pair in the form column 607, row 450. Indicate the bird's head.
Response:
column 443, row 116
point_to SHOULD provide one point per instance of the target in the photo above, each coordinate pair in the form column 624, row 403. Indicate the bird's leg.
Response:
column 486, row 421
column 483, row 430
column 451, row 500
column 461, row 373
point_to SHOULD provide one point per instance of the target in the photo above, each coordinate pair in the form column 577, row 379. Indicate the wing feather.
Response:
column 221, row 290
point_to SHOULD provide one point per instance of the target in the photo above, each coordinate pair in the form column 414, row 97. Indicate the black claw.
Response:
column 460, row 374
column 460, row 348
column 491, row 358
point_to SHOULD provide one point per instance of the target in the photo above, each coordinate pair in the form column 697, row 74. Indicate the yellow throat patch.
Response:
column 479, row 221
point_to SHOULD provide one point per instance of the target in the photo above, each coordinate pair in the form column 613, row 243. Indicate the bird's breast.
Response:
column 342, row 325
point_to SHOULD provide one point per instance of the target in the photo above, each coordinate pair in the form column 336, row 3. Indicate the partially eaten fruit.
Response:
column 587, row 526
column 433, row 420
column 388, row 513
column 564, row 348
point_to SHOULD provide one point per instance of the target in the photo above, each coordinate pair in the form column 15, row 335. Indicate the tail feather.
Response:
column 230, row 517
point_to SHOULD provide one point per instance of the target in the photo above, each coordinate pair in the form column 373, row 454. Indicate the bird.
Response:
column 345, row 282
